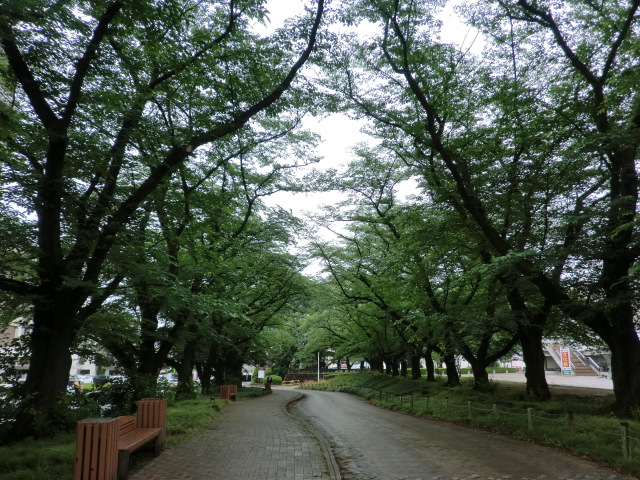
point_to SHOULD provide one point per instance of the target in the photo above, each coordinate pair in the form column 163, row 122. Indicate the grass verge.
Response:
column 53, row 458
column 574, row 421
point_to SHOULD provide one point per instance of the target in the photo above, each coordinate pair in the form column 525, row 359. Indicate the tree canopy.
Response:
column 140, row 139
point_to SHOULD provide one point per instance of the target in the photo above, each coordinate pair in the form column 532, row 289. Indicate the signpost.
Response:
column 565, row 359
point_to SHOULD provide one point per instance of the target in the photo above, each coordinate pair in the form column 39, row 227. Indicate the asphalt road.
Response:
column 372, row 443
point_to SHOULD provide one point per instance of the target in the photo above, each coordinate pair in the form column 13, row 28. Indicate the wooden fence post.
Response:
column 572, row 425
column 625, row 439
column 530, row 417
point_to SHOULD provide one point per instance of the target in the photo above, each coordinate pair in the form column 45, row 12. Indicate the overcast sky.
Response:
column 339, row 133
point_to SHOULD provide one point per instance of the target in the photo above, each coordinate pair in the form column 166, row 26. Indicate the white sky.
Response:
column 339, row 133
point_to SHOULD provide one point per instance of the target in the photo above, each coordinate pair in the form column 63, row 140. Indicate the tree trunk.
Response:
column 480, row 375
column 431, row 368
column 185, row 372
column 49, row 367
column 531, row 343
column 618, row 331
column 483, row 357
column 625, row 366
column 204, row 385
column 395, row 367
column 453, row 379
column 403, row 368
column 415, row 367
column 376, row 364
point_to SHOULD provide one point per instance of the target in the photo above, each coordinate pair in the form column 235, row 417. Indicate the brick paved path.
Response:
column 253, row 439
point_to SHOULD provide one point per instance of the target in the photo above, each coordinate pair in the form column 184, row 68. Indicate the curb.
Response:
column 332, row 464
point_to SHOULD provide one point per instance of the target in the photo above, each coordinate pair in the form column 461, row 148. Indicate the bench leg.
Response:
column 123, row 465
column 157, row 447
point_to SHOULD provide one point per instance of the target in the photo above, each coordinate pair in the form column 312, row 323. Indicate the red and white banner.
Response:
column 565, row 360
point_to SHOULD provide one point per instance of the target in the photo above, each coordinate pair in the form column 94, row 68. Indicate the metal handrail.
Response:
column 589, row 362
column 554, row 352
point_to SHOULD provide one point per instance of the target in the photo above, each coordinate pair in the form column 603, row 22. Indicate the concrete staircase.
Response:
column 580, row 366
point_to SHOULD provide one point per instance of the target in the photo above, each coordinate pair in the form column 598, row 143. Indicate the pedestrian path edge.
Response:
column 332, row 464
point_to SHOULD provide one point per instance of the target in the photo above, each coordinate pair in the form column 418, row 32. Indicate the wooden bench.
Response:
column 291, row 382
column 104, row 445
column 228, row 392
column 130, row 439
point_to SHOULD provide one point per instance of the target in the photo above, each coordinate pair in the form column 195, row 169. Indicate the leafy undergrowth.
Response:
column 53, row 458
column 573, row 420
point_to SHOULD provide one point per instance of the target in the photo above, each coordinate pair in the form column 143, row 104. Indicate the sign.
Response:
column 565, row 361
column 260, row 373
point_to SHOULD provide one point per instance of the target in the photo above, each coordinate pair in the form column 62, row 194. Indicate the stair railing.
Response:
column 589, row 362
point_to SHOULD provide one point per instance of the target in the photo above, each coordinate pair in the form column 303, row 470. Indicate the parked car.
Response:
column 100, row 380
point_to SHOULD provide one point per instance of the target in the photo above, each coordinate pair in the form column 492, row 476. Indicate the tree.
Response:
column 107, row 101
column 594, row 87
column 177, row 270
column 537, row 155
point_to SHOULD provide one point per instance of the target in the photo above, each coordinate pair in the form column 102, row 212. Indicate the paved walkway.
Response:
column 253, row 439
column 258, row 439
column 602, row 383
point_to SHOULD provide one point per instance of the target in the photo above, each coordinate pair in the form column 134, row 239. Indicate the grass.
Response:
column 579, row 423
column 53, row 458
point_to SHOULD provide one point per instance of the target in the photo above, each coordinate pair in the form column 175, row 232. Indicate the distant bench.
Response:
column 104, row 445
column 228, row 392
column 291, row 382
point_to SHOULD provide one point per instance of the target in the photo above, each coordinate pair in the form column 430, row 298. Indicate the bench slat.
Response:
column 152, row 413
column 96, row 449
column 136, row 438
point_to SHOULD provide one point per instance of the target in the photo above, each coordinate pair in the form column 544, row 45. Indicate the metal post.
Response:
column 530, row 417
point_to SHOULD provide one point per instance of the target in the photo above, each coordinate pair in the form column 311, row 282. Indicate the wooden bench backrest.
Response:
column 96, row 450
column 126, row 424
column 224, row 392
column 152, row 413
column 227, row 390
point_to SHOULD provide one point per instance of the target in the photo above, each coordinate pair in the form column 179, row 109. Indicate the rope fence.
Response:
column 488, row 414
